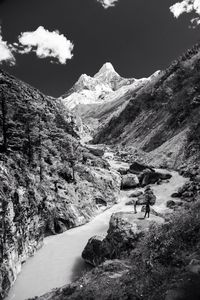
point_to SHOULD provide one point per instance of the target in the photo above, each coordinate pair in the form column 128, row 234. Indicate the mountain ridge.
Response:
column 90, row 96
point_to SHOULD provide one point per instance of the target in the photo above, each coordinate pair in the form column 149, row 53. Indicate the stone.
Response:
column 174, row 204
column 129, row 181
column 170, row 204
column 131, row 202
column 97, row 151
column 122, row 236
column 122, row 170
column 135, row 194
column 92, row 252
column 137, row 168
column 151, row 177
column 175, row 195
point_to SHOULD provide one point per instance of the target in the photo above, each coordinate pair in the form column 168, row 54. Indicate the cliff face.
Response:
column 48, row 181
column 163, row 118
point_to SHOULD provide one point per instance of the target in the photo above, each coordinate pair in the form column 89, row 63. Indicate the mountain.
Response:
column 49, row 182
column 96, row 99
column 162, row 119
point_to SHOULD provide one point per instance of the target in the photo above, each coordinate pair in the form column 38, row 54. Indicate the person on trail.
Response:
column 149, row 199
column 135, row 206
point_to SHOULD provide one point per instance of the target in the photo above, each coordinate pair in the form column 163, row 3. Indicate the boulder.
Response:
column 129, row 181
column 131, row 202
column 123, row 170
column 92, row 252
column 151, row 177
column 175, row 195
column 173, row 204
column 137, row 168
column 123, row 233
column 135, row 194
column 100, row 201
column 97, row 151
column 170, row 204
column 122, row 236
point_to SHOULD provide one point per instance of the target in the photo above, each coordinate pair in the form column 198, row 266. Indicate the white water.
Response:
column 59, row 261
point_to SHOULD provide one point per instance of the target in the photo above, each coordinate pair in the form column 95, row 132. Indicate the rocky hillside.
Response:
column 48, row 181
column 97, row 99
column 162, row 119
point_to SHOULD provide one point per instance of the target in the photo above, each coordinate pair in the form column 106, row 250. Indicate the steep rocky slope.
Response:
column 48, row 181
column 163, row 118
column 97, row 99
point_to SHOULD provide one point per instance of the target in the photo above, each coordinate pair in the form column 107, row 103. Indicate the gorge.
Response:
column 59, row 261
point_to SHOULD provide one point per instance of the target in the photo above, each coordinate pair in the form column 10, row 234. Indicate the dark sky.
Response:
column 137, row 36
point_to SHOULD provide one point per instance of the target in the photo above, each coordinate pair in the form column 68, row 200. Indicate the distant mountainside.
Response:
column 163, row 118
column 96, row 99
column 49, row 182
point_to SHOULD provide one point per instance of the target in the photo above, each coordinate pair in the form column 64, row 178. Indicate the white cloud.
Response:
column 187, row 6
column 45, row 43
column 6, row 52
column 108, row 3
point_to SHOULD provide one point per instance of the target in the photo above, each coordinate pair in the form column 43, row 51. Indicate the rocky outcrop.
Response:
column 122, row 236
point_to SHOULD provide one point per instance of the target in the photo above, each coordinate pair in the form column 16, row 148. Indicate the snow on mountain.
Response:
column 105, row 86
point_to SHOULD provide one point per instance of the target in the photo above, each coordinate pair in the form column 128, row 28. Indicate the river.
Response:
column 59, row 261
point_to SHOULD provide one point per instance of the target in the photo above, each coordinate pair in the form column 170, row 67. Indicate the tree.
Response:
column 4, row 122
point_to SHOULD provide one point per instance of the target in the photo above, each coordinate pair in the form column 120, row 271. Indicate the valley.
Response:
column 72, row 169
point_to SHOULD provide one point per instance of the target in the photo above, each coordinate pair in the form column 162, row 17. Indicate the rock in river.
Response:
column 122, row 235
column 129, row 181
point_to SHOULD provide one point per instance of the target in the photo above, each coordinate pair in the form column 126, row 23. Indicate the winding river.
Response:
column 59, row 261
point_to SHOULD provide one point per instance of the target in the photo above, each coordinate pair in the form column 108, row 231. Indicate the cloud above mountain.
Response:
column 107, row 3
column 187, row 6
column 45, row 44
column 6, row 54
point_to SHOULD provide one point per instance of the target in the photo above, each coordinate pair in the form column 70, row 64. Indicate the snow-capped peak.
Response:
column 106, row 73
column 107, row 67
